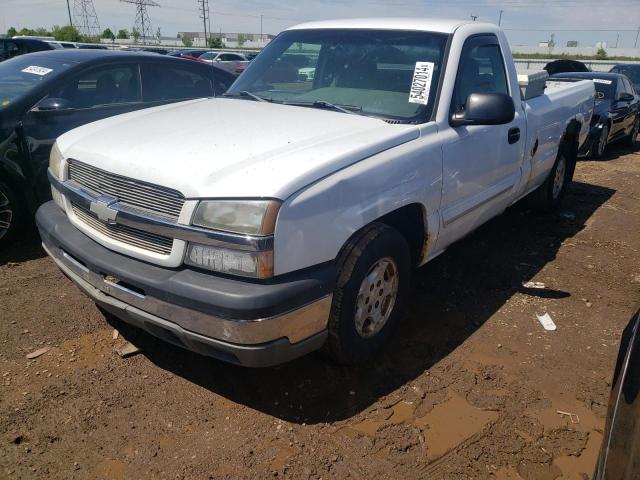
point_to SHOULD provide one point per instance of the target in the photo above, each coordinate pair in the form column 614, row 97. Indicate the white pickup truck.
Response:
column 288, row 216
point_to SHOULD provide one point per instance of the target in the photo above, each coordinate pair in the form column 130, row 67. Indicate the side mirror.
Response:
column 52, row 104
column 485, row 109
column 625, row 97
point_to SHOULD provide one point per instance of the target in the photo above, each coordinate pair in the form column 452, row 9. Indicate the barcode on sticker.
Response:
column 421, row 83
column 37, row 70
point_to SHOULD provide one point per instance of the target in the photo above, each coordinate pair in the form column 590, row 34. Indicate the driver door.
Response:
column 481, row 163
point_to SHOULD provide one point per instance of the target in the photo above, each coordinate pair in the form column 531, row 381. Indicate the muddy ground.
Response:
column 469, row 387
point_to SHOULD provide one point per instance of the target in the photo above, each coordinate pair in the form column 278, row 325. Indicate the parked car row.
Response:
column 616, row 114
column 43, row 95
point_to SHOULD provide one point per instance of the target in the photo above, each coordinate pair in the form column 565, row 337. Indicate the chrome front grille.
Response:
column 142, row 196
column 124, row 234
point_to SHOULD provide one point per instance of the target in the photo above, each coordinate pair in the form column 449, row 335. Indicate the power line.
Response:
column 86, row 19
column 142, row 23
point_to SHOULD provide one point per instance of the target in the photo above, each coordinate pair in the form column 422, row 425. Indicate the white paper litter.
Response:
column 546, row 321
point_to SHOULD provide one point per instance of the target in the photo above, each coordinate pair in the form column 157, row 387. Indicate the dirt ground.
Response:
column 469, row 387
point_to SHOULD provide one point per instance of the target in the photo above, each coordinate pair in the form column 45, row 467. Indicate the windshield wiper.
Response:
column 245, row 93
column 352, row 109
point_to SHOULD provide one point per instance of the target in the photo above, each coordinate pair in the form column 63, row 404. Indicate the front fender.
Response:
column 315, row 222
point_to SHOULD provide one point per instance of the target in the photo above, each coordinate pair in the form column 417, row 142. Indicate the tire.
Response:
column 550, row 194
column 374, row 272
column 11, row 214
column 597, row 150
column 632, row 139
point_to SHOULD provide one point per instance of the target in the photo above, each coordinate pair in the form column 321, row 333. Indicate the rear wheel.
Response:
column 550, row 194
column 632, row 139
column 10, row 214
column 597, row 151
column 373, row 283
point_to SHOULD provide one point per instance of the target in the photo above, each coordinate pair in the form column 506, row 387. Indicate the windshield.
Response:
column 603, row 88
column 20, row 75
column 631, row 71
column 382, row 73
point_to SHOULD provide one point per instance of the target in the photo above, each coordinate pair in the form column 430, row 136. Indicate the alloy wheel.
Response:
column 376, row 297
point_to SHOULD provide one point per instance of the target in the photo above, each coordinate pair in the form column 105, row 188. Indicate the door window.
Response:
column 481, row 70
column 628, row 87
column 162, row 82
column 112, row 84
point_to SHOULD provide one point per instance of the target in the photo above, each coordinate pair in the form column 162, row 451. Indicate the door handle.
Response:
column 513, row 135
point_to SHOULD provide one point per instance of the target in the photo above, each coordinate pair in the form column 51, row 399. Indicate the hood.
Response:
column 223, row 147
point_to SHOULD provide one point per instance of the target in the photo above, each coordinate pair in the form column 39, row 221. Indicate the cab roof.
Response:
column 81, row 55
column 438, row 25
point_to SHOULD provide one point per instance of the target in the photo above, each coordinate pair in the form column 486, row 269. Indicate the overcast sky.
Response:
column 526, row 21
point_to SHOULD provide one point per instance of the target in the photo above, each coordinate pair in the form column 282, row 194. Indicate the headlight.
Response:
column 233, row 262
column 56, row 165
column 56, row 161
column 246, row 217
column 251, row 217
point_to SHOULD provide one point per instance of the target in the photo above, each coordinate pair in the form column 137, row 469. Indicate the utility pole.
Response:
column 204, row 15
column 86, row 19
column 637, row 35
column 500, row 19
column 69, row 12
column 617, row 38
column 261, row 38
column 142, row 22
column 473, row 17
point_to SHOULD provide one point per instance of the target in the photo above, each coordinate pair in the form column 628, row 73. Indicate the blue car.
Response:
column 616, row 114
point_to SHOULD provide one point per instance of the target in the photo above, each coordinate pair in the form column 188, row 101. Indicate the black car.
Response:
column 620, row 451
column 45, row 94
column 564, row 66
column 616, row 114
column 631, row 70
column 12, row 47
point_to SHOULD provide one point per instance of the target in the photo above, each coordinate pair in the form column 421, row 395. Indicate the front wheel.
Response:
column 372, row 286
column 597, row 151
column 10, row 214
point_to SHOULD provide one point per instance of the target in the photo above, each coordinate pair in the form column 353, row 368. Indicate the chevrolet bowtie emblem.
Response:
column 101, row 207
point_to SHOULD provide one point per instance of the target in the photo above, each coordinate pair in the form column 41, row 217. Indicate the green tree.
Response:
column 135, row 34
column 123, row 34
column 601, row 54
column 26, row 31
column 67, row 34
column 187, row 41
column 242, row 39
column 216, row 43
column 108, row 34
column 12, row 32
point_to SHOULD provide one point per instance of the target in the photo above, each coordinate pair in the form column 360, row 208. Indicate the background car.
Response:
column 616, row 114
column 620, row 451
column 43, row 95
column 232, row 62
column 562, row 66
column 12, row 47
column 631, row 70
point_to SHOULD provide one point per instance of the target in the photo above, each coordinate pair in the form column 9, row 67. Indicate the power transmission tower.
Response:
column 142, row 23
column 86, row 20
column 203, row 5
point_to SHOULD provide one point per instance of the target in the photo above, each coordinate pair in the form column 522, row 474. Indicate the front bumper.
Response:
column 239, row 321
